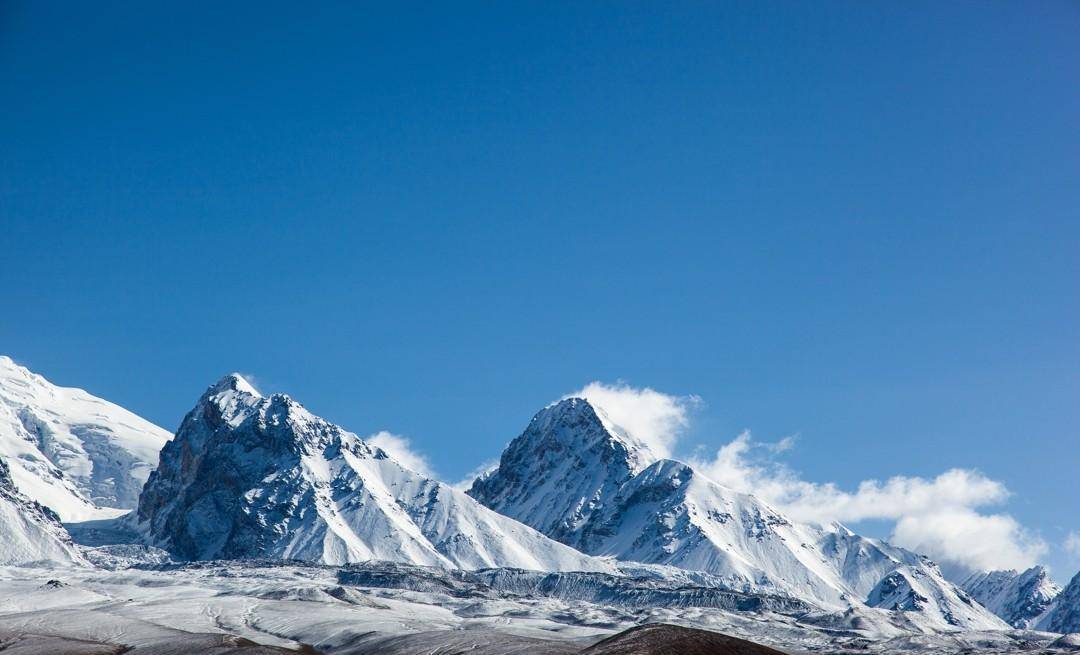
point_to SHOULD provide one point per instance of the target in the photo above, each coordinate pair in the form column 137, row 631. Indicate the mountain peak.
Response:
column 234, row 382
column 233, row 397
column 562, row 468
column 1063, row 615
column 263, row 477
column 1018, row 597
column 574, row 417
column 9, row 368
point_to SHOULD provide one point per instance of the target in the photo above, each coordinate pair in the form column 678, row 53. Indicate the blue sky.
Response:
column 853, row 222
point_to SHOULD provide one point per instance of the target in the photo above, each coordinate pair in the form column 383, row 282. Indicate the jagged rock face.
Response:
column 573, row 477
column 29, row 531
column 83, row 457
column 1064, row 613
column 248, row 476
column 1018, row 598
column 567, row 464
column 896, row 592
column 922, row 590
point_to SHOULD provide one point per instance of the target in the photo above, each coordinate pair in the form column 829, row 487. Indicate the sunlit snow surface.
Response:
column 83, row 457
column 395, row 608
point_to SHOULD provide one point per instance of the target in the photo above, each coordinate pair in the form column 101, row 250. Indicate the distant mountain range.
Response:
column 248, row 476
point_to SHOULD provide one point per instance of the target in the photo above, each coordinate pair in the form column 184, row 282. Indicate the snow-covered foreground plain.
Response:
column 399, row 609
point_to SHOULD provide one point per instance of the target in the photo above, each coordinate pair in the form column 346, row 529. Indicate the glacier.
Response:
column 83, row 457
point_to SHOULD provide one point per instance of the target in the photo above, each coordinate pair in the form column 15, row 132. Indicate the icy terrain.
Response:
column 83, row 457
column 577, row 477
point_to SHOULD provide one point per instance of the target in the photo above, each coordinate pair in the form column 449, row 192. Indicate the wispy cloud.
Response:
column 486, row 467
column 400, row 448
column 1071, row 545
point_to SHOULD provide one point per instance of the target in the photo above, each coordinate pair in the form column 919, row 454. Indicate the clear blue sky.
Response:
column 858, row 222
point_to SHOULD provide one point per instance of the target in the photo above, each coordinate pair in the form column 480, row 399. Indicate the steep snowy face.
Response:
column 81, row 456
column 571, row 477
column 1018, row 598
column 1063, row 614
column 249, row 476
column 29, row 531
column 562, row 469
column 921, row 590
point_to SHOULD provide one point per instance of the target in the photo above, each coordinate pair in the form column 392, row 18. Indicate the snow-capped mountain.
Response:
column 579, row 478
column 83, row 457
column 1020, row 598
column 561, row 470
column 29, row 531
column 253, row 476
column 1063, row 614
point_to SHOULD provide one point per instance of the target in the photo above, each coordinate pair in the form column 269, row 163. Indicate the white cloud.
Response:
column 656, row 419
column 399, row 448
column 1071, row 545
column 934, row 516
column 964, row 536
column 486, row 467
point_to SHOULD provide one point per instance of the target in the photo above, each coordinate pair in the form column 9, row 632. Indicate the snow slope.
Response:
column 1019, row 598
column 83, row 457
column 574, row 476
column 29, row 532
column 248, row 476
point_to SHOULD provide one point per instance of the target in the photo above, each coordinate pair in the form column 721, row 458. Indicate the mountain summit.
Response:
column 254, row 476
column 563, row 468
column 574, row 476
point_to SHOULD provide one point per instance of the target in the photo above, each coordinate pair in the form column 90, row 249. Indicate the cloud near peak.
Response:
column 655, row 419
column 937, row 516
column 400, row 448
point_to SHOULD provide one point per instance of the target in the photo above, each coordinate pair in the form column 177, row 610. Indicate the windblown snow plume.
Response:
column 648, row 416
